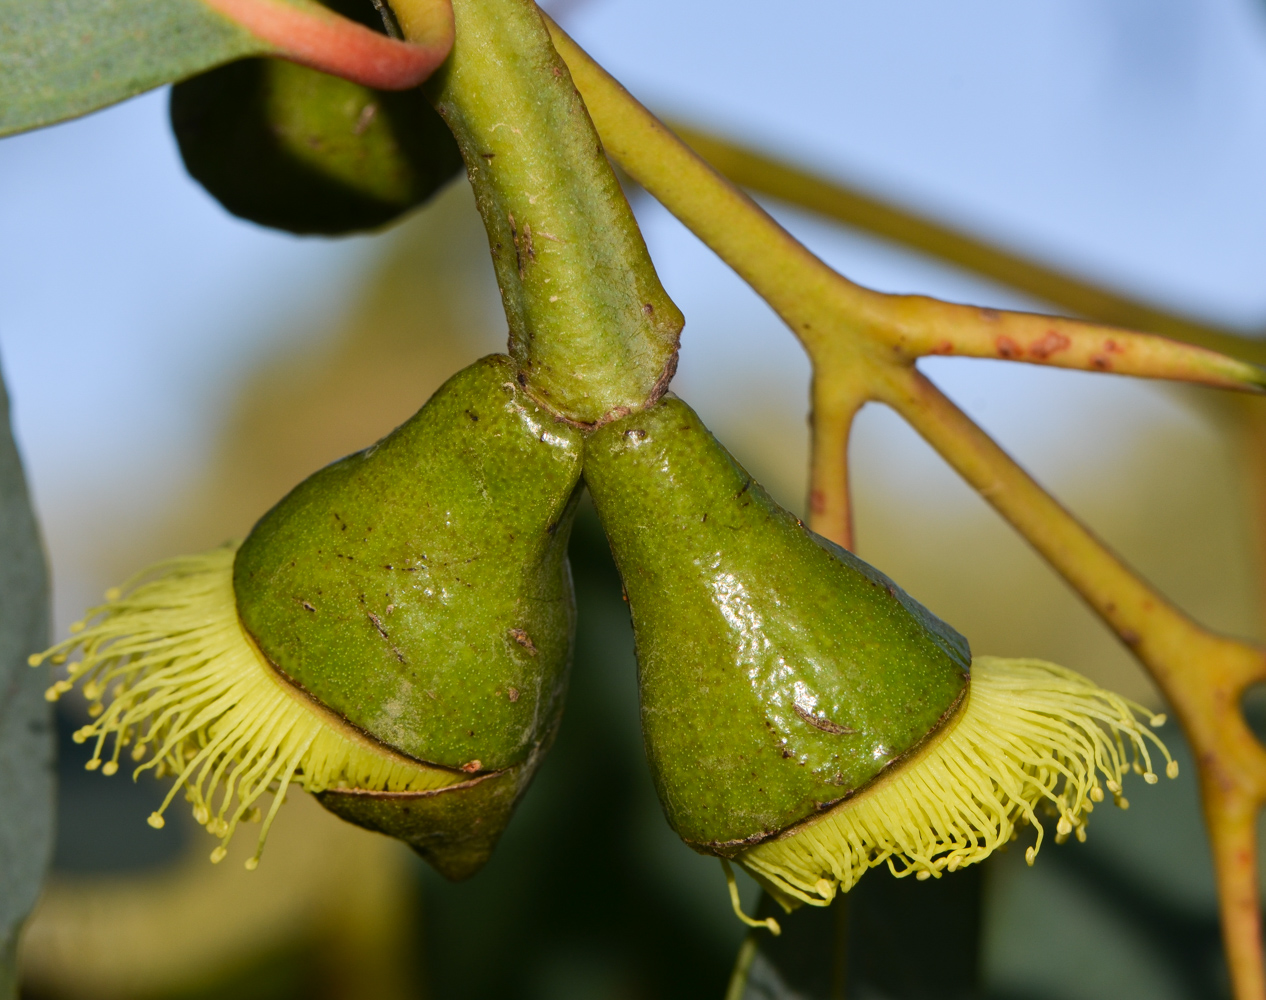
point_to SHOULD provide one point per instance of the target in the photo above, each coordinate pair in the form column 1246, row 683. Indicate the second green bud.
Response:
column 778, row 672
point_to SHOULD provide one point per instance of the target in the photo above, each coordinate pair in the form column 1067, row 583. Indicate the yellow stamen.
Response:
column 1029, row 732
column 189, row 688
column 769, row 923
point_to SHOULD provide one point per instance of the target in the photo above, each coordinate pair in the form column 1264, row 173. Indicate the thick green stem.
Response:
column 593, row 331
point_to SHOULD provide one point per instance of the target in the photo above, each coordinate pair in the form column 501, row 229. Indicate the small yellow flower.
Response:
column 171, row 673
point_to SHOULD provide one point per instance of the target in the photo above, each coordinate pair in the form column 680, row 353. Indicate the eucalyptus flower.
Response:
column 394, row 636
column 804, row 716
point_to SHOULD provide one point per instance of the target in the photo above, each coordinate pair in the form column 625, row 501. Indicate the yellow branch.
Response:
column 835, row 403
column 919, row 326
column 757, row 172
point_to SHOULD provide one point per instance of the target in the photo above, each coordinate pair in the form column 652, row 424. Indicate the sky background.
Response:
column 1123, row 139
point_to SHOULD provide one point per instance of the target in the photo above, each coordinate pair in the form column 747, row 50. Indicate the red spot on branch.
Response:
column 1112, row 347
column 315, row 36
column 1008, row 348
column 817, row 501
column 944, row 347
column 1101, row 362
column 1052, row 343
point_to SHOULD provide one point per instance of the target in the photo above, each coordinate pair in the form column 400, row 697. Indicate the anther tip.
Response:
column 1151, row 777
column 156, row 821
column 93, row 764
column 111, row 767
column 252, row 864
column 923, row 876
column 1122, row 802
column 218, row 854
column 80, row 735
column 1030, row 855
column 1171, row 769
column 113, row 594
column 35, row 659
column 52, row 694
column 1158, row 720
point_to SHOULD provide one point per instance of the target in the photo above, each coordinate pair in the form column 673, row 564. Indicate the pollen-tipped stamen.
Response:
column 186, row 685
column 1029, row 733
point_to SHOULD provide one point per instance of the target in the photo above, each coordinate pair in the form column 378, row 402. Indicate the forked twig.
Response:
column 766, row 175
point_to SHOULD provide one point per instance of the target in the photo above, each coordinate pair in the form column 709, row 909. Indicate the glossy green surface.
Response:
column 778, row 672
column 590, row 325
column 455, row 829
column 420, row 587
column 300, row 150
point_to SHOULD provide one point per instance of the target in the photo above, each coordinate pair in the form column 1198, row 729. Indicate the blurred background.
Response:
column 174, row 371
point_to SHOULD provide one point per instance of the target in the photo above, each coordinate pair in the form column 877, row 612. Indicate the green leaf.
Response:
column 26, row 733
column 63, row 58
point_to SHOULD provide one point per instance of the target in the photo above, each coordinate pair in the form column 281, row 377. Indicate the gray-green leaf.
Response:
column 26, row 733
column 63, row 58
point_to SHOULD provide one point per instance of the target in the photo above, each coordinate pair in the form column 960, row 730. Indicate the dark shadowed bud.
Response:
column 297, row 149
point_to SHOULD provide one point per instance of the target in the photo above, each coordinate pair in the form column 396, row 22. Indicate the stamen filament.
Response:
column 1029, row 732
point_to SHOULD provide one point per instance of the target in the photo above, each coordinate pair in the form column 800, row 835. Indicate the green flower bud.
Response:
column 394, row 636
column 297, row 149
column 802, row 714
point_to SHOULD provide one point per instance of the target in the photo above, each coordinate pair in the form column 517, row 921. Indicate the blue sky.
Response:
column 1121, row 138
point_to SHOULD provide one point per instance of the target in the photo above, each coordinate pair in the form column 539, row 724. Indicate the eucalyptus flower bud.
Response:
column 296, row 149
column 394, row 636
column 804, row 716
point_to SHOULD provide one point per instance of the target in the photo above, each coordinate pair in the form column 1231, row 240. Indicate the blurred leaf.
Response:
column 63, row 58
column 912, row 940
column 805, row 962
column 26, row 733
column 888, row 939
